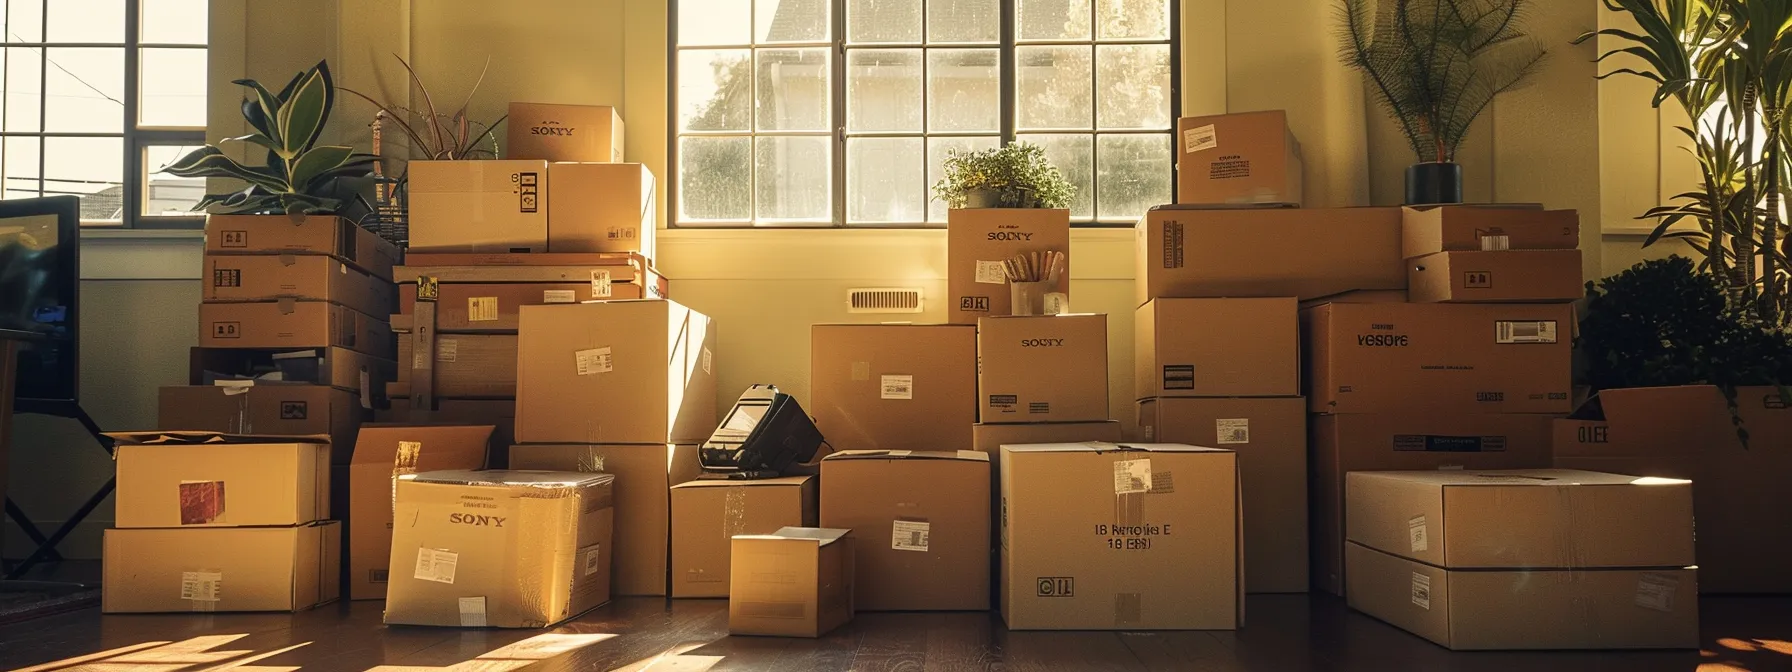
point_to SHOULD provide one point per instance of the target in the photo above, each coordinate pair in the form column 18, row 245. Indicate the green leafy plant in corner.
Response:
column 1014, row 176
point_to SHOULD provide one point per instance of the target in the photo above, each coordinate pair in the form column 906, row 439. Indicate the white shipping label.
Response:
column 1495, row 243
column 1421, row 591
column 559, row 296
column 1417, row 535
column 596, row 360
column 992, row 273
column 1200, row 139
column 708, row 362
column 1526, row 331
column 1656, row 591
column 909, row 535
column 436, row 565
column 482, row 308
column 898, row 387
column 1231, row 431
column 447, row 349
column 1132, row 476
column 600, row 284
column 1056, row 303
column 472, row 612
column 593, row 560
column 201, row 586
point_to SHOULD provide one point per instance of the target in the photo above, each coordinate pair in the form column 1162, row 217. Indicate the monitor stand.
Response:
column 46, row 546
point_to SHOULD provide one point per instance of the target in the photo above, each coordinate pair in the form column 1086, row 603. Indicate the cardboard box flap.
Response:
column 1646, row 404
column 513, row 477
column 821, row 535
column 731, row 482
column 1102, row 447
column 1225, row 206
column 189, row 437
column 967, row 455
column 1509, row 478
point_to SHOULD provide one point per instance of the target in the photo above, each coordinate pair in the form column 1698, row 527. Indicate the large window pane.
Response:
column 884, row 180
column 1074, row 156
column 791, row 21
column 24, row 20
column 883, row 90
column 872, row 21
column 172, row 88
column 1132, row 19
column 792, row 179
column 1133, row 174
column 707, row 22
column 715, row 90
column 963, row 90
column 1133, row 86
column 92, row 168
column 793, row 89
column 18, row 167
column 715, row 179
column 23, row 88
column 173, row 21
column 937, row 151
column 1052, row 19
column 86, row 21
column 963, row 21
column 85, row 90
column 164, row 194
column 1054, row 85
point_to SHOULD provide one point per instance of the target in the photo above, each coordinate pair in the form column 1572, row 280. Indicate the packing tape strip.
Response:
column 734, row 511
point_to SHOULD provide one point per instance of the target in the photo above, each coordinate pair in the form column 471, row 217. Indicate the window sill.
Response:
column 885, row 255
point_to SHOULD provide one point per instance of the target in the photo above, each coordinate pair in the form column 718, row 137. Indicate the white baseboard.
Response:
column 81, row 544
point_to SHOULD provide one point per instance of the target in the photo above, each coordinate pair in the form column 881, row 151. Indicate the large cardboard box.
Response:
column 563, row 132
column 1514, row 276
column 1270, row 436
column 382, row 454
column 1051, row 368
column 1412, row 357
column 1101, row 536
column 221, row 569
column 978, row 240
column 707, row 513
column 468, row 366
column 796, row 582
column 294, row 325
column 301, row 234
column 1192, row 251
column 308, row 277
column 493, row 307
column 1216, row 348
column 601, row 207
column 500, row 549
column 499, row 413
column 479, row 206
column 180, row 479
column 645, row 475
column 279, row 409
column 929, row 504
column 1247, row 157
column 1461, row 228
column 341, row 368
column 615, row 372
column 894, row 386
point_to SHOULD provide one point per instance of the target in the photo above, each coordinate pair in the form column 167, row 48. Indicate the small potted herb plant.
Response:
column 1006, row 203
column 1015, row 176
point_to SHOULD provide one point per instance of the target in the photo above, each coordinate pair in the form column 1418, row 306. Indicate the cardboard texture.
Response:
column 341, row 368
column 479, row 206
column 466, row 365
column 923, row 533
column 1042, row 369
column 182, row 479
column 499, row 413
column 645, row 475
column 302, row 234
column 1101, row 536
column 1270, row 437
column 247, row 277
column 1408, row 357
column 1516, row 276
column 563, row 132
column 615, row 372
column 795, row 582
column 293, row 324
column 382, row 454
column 1248, row 157
column 1218, row 252
column 601, row 207
column 1216, row 348
column 989, row 438
column 1365, row 296
column 493, row 307
column 893, row 386
column 1462, row 228
column 500, row 549
column 979, row 240
column 707, row 513
column 221, row 569
column 264, row 409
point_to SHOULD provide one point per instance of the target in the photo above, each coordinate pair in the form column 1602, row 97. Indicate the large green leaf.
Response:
column 302, row 117
column 317, row 161
column 254, row 138
column 208, row 161
column 267, row 108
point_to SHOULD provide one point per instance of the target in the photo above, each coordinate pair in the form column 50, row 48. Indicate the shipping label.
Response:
column 898, row 387
column 1421, row 590
column 436, row 565
column 909, row 535
column 1232, row 431
column 482, row 308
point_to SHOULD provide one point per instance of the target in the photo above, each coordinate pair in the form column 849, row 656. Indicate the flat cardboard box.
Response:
column 979, row 240
column 1528, row 609
column 1414, row 357
column 493, row 307
column 293, row 324
column 1270, row 436
column 645, row 475
column 383, row 453
column 499, row 413
column 1462, row 228
column 1247, row 157
column 341, row 368
column 1514, row 276
column 796, row 582
column 601, row 207
column 479, row 206
column 301, row 234
column 309, row 277
column 1216, row 348
column 615, row 372
column 1051, row 368
column 1101, row 536
column 553, row 132
column 1191, row 251
column 278, row 409
column 467, row 366
column 707, row 513
column 894, row 386
column 929, row 505
column 221, row 569
column 188, row 479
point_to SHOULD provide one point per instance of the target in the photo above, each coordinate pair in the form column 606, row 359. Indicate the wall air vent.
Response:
column 885, row 300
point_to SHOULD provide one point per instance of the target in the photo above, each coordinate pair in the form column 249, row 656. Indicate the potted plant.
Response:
column 1434, row 65
column 1015, row 176
column 1005, row 203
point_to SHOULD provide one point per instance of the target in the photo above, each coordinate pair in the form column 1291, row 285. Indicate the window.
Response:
column 840, row 112
column 96, row 96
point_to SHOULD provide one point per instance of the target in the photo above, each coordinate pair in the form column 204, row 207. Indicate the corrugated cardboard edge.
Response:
column 178, row 438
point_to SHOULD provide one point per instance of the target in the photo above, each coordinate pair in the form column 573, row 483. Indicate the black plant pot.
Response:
column 1433, row 183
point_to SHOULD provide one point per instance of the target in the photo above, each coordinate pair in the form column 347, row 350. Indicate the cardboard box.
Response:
column 1216, row 348
column 1050, row 368
column 564, row 132
column 301, row 234
column 601, row 207
column 292, row 324
column 466, row 365
column 221, row 569
column 644, row 477
column 1100, row 536
column 479, row 206
column 707, row 513
column 989, row 438
column 493, row 307
column 382, row 454
column 894, row 386
column 1409, row 357
column 979, row 240
column 519, row 261
column 796, row 582
column 1224, row 252
column 1248, row 157
column 181, row 479
column 278, row 409
column 1516, row 276
column 499, row 413
column 615, row 372
column 1270, row 437
column 1463, row 228
column 929, row 504
column 341, row 368
column 245, row 277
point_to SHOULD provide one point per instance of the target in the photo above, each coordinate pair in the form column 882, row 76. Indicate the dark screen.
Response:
column 38, row 276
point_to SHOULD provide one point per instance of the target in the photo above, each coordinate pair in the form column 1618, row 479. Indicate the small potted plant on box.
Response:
column 1006, row 202
column 1015, row 176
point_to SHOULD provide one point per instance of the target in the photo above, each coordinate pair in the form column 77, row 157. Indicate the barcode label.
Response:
column 1525, row 331
column 447, row 350
column 992, row 273
column 1229, row 431
column 200, row 586
column 559, row 296
column 1421, row 590
column 1132, row 476
column 909, row 535
column 1416, row 534
column 596, row 360
column 600, row 284
column 436, row 565
column 1495, row 243
column 482, row 308
column 1200, row 139
column 898, row 387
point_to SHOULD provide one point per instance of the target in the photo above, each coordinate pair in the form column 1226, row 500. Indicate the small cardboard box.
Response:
column 645, row 475
column 479, row 206
column 184, row 479
column 382, row 454
column 1248, row 157
column 499, row 413
column 293, row 325
column 250, row 277
column 466, row 365
column 615, row 372
column 301, row 234
column 894, row 386
column 1465, row 228
column 796, row 582
column 1516, row 276
column 563, row 132
column 1192, row 251
column 500, row 549
column 277, row 409
column 1101, row 536
column 1051, row 368
column 979, row 240
column 1270, row 436
column 601, row 207
column 221, row 569
column 494, row 307
column 930, row 506
column 1216, row 348
column 707, row 513
column 341, row 368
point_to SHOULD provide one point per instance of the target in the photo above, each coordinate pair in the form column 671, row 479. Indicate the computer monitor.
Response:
column 40, row 268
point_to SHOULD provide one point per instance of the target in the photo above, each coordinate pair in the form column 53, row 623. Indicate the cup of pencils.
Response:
column 1034, row 283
